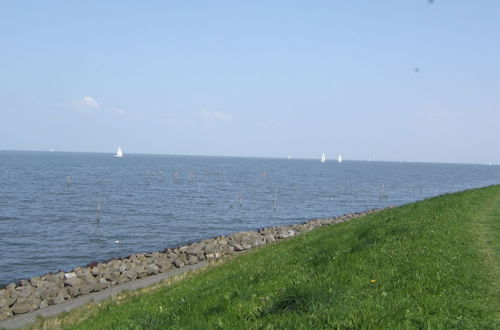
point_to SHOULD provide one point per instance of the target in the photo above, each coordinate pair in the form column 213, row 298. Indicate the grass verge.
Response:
column 430, row 264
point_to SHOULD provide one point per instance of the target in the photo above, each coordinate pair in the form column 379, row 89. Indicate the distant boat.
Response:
column 289, row 157
column 339, row 158
column 323, row 158
column 119, row 152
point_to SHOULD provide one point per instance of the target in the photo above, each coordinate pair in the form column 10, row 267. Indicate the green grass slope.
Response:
column 431, row 264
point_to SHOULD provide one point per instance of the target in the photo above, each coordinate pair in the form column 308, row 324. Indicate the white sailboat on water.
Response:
column 119, row 152
column 339, row 158
column 323, row 158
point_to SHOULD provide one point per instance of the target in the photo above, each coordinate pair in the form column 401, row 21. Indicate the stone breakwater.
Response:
column 52, row 289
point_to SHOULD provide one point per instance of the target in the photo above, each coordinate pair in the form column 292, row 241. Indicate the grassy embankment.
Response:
column 431, row 264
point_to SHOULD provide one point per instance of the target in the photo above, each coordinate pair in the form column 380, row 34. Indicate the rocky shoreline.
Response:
column 55, row 288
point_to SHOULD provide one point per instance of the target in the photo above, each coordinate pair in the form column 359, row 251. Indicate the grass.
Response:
column 431, row 264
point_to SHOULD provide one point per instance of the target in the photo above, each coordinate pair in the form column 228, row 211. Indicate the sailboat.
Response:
column 119, row 152
column 323, row 158
column 339, row 158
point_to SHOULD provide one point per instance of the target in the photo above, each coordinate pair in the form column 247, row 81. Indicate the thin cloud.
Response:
column 215, row 115
column 86, row 103
column 174, row 120
column 273, row 124
column 126, row 114
column 439, row 112
column 117, row 112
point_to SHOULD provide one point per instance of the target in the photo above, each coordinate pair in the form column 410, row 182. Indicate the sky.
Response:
column 383, row 80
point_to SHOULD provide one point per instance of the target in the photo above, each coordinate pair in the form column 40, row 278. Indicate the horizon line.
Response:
column 333, row 160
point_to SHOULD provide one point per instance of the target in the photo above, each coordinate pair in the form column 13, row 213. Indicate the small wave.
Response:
column 8, row 218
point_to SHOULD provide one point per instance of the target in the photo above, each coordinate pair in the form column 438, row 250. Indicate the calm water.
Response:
column 148, row 203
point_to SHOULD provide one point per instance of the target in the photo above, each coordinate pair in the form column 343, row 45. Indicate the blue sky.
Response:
column 253, row 78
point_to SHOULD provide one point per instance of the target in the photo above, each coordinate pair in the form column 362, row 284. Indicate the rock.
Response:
column 26, row 305
column 69, row 275
column 96, row 271
column 56, row 300
column 152, row 269
column 73, row 285
column 42, row 292
column 4, row 302
column 236, row 246
column 156, row 255
column 195, row 250
column 211, row 249
column 90, row 282
column 73, row 282
column 73, row 291
column 52, row 289
column 180, row 260
column 5, row 313
column 122, row 279
column 178, row 263
column 164, row 265
column 99, row 269
column 285, row 233
column 130, row 274
column 25, row 283
column 212, row 256
column 116, row 276
column 37, row 282
column 56, row 279
column 269, row 238
column 114, row 265
column 102, row 284
column 253, row 238
column 107, row 277
column 87, row 288
column 140, row 271
column 62, row 291
column 171, row 255
column 191, row 260
column 301, row 228
column 43, row 304
column 7, row 299
column 24, row 291
column 227, row 250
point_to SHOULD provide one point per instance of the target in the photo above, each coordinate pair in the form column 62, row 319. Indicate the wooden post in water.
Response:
column 275, row 199
column 98, row 210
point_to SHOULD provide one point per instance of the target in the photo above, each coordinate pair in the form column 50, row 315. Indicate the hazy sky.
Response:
column 386, row 80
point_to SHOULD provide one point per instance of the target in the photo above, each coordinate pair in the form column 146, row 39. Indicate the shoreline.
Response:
column 41, row 294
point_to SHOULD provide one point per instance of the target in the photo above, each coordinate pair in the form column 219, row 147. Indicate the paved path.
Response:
column 24, row 320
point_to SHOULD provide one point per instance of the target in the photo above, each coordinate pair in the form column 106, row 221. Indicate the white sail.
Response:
column 339, row 158
column 119, row 152
column 323, row 158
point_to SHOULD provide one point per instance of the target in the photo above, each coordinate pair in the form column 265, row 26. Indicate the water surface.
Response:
column 49, row 201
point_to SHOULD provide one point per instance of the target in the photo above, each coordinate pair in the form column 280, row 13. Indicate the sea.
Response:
column 61, row 210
